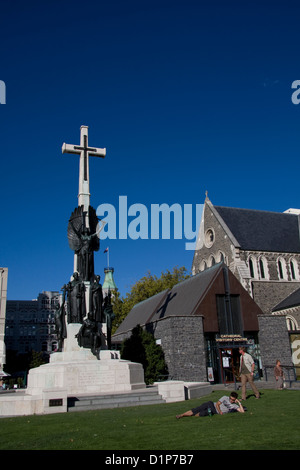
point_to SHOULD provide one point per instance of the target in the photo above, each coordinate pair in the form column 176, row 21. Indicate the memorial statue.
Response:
column 109, row 317
column 76, row 300
column 89, row 336
column 96, row 300
column 83, row 237
column 83, row 231
column 60, row 322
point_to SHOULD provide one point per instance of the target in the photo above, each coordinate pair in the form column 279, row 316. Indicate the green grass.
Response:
column 273, row 422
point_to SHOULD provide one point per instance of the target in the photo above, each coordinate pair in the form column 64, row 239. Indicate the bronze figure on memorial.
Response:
column 89, row 336
column 60, row 321
column 83, row 231
column 96, row 299
column 76, row 300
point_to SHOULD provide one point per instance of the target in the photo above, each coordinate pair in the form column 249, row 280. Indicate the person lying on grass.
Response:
column 224, row 405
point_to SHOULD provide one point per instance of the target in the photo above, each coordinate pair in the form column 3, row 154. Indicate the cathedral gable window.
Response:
column 209, row 238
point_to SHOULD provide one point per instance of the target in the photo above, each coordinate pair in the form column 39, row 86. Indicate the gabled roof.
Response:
column 185, row 296
column 262, row 230
column 293, row 300
column 182, row 299
column 142, row 312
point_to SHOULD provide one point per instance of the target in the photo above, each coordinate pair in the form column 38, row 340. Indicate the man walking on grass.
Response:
column 246, row 372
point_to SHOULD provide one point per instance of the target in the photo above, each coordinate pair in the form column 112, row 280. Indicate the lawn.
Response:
column 273, row 422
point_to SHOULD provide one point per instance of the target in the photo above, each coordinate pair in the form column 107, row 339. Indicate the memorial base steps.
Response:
column 147, row 396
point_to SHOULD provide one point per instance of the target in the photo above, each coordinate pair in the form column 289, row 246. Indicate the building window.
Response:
column 280, row 269
column 203, row 265
column 252, row 267
column 229, row 315
column 294, row 272
column 281, row 266
column 209, row 238
column 263, row 268
column 291, row 323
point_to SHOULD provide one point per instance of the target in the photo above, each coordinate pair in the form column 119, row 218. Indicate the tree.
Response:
column 142, row 348
column 36, row 359
column 146, row 287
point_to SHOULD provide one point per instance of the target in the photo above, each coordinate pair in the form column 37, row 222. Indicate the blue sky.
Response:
column 186, row 96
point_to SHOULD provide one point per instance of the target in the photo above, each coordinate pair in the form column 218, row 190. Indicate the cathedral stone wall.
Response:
column 267, row 294
column 221, row 244
column 274, row 341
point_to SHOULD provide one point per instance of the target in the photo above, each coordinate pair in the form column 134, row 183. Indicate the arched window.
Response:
column 203, row 265
column 294, row 271
column 211, row 261
column 280, row 270
column 292, row 268
column 281, row 267
column 291, row 323
column 252, row 267
column 263, row 268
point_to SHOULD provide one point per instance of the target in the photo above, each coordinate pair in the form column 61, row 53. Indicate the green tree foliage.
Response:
column 142, row 348
column 146, row 287
column 36, row 359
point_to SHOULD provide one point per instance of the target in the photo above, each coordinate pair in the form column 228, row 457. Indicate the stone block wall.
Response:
column 267, row 294
column 182, row 340
column 274, row 341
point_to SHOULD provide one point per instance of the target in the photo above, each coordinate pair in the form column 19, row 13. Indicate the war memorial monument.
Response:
column 84, row 363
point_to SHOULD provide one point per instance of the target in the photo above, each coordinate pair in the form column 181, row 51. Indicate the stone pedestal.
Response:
column 87, row 376
column 78, row 371
column 74, row 371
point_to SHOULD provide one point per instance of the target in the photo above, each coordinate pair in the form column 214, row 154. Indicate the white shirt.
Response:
column 248, row 361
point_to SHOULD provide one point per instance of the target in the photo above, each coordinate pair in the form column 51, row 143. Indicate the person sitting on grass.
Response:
column 224, row 405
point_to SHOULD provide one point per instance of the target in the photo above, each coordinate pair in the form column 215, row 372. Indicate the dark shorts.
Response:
column 202, row 410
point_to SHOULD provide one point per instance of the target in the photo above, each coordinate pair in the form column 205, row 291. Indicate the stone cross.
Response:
column 84, row 151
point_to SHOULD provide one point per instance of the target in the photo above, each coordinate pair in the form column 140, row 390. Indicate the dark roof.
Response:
column 185, row 296
column 262, row 230
column 293, row 300
column 141, row 312
column 182, row 299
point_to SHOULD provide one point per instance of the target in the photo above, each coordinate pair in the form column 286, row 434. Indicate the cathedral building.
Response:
column 246, row 263
column 261, row 248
